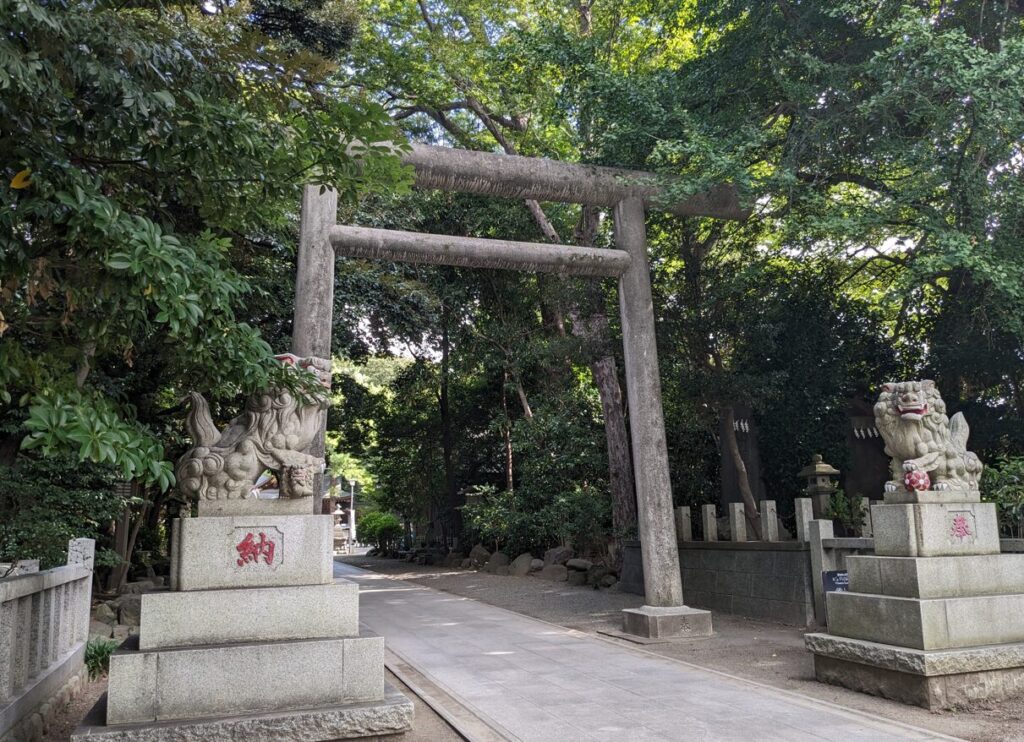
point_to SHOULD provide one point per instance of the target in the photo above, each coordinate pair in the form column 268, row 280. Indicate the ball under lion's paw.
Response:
column 916, row 480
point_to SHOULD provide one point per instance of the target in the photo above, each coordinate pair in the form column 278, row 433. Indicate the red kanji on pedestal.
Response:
column 961, row 529
column 249, row 550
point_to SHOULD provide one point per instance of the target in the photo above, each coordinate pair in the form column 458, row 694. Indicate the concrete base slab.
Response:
column 386, row 719
column 935, row 529
column 937, row 577
column 939, row 623
column 645, row 640
column 229, row 679
column 253, row 551
column 197, row 617
column 936, row 679
column 653, row 622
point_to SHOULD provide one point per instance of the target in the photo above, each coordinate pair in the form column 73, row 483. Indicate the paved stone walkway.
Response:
column 536, row 682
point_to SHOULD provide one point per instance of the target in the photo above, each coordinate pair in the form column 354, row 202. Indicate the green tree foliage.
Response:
column 379, row 528
column 143, row 151
column 880, row 144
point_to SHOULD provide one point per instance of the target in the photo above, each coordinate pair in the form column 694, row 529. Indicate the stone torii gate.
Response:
column 629, row 193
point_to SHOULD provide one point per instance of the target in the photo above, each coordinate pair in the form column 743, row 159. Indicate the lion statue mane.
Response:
column 911, row 417
column 274, row 432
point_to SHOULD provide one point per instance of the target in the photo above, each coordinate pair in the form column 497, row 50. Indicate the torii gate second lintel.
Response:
column 664, row 613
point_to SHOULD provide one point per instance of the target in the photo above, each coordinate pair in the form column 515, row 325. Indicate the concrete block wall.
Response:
column 768, row 581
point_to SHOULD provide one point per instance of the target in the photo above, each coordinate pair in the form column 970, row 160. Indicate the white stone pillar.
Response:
column 709, row 519
column 314, row 295
column 737, row 522
column 804, row 516
column 684, row 524
column 769, row 521
column 662, row 581
column 663, row 614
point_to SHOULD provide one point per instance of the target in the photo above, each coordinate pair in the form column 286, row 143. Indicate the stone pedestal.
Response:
column 674, row 622
column 258, row 642
column 936, row 617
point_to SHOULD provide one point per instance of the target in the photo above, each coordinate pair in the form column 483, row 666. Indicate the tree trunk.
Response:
column 507, row 433
column 449, row 509
column 732, row 444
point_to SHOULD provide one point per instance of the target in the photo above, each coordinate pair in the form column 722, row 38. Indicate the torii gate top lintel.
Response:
column 541, row 179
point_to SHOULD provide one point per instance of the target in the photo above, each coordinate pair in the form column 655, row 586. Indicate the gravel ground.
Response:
column 766, row 653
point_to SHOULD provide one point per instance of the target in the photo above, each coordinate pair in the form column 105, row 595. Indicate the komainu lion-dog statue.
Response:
column 919, row 437
column 274, row 432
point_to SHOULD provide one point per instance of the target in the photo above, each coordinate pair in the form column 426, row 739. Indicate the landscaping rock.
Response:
column 130, row 611
column 105, row 613
column 576, row 577
column 141, row 586
column 521, row 565
column 478, row 556
column 579, row 564
column 597, row 573
column 466, row 563
column 497, row 559
column 558, row 555
column 554, row 572
column 453, row 560
column 536, row 565
column 100, row 629
column 609, row 581
column 501, row 571
column 122, row 632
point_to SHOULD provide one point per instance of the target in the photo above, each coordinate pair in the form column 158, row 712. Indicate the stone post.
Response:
column 820, row 562
column 804, row 516
column 769, row 521
column 314, row 294
column 684, row 524
column 737, row 522
column 866, row 530
column 662, row 581
column 664, row 613
column 709, row 519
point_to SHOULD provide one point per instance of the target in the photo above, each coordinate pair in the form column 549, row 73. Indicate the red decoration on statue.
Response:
column 916, row 480
column 249, row 550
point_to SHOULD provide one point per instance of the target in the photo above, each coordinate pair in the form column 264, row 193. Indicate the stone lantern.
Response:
column 820, row 486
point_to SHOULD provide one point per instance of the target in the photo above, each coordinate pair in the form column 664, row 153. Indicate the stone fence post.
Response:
column 709, row 519
column 821, row 561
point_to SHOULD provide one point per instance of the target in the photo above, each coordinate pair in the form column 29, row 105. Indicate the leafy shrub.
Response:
column 847, row 512
column 44, row 503
column 522, row 520
column 382, row 529
column 97, row 656
column 1003, row 484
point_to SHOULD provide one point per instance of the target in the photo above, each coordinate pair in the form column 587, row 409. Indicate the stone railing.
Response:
column 44, row 627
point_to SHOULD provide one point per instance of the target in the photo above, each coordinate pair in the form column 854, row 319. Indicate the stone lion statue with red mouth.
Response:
column 911, row 417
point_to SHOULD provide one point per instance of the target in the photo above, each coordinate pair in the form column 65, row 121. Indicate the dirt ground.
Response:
column 765, row 653
column 429, row 727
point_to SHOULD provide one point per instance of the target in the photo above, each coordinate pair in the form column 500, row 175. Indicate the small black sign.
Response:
column 836, row 581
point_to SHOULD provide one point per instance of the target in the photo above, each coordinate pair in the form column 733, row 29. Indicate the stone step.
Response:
column 392, row 715
column 198, row 617
column 937, row 577
column 935, row 679
column 253, row 551
column 940, row 623
column 234, row 679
